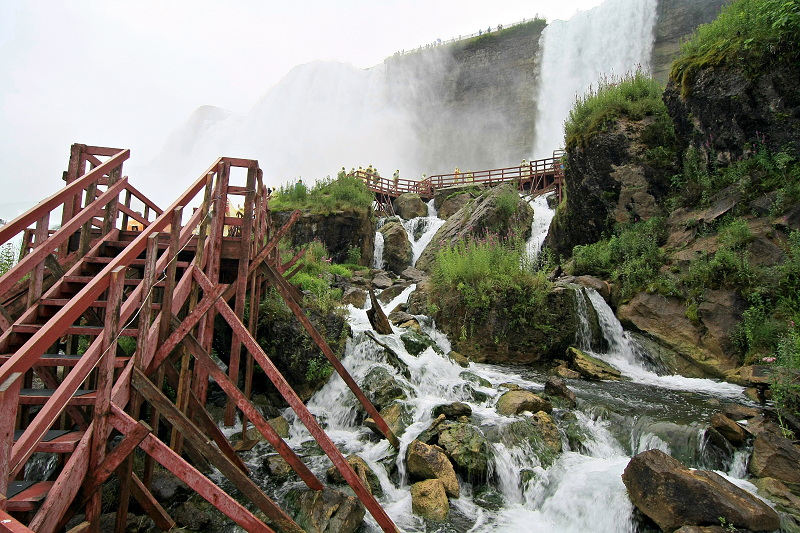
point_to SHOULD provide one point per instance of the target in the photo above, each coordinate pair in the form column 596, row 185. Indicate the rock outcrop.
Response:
column 325, row 510
column 397, row 252
column 409, row 205
column 429, row 500
column 673, row 496
column 429, row 462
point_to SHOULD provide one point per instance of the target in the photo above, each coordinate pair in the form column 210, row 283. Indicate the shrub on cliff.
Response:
column 634, row 95
column 325, row 196
column 755, row 34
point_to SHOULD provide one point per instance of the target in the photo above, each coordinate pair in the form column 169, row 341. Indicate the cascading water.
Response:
column 611, row 39
column 542, row 217
column 377, row 258
column 421, row 230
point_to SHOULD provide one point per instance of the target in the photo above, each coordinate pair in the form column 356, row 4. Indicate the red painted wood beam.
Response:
column 189, row 475
column 9, row 524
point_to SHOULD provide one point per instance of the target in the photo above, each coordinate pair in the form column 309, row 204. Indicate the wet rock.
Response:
column 277, row 467
column 467, row 448
column 355, row 297
column 566, row 373
column 529, row 436
column 475, row 378
column 430, row 462
column 397, row 317
column 191, row 517
column 381, row 280
column 167, row 488
column 597, row 284
column 391, row 356
column 387, row 295
column 779, row 494
column 326, row 510
column 734, row 411
column 755, row 375
column 698, row 529
column 431, row 435
column 377, row 318
column 413, row 275
column 453, row 204
column 729, row 429
column 673, row 496
column 592, row 368
column 429, row 500
column 397, row 253
column 515, row 402
column 556, row 387
column 362, row 470
column 458, row 359
column 410, row 205
column 397, row 416
column 416, row 343
column 548, row 430
column 280, row 425
column 776, row 457
column 576, row 437
column 381, row 388
column 412, row 325
column 452, row 411
column 419, row 299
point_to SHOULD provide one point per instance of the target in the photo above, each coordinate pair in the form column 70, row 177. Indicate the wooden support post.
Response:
column 126, row 203
column 9, row 399
column 9, row 524
column 105, row 381
column 112, row 210
column 37, row 274
column 86, row 230
column 150, row 505
column 73, row 204
column 241, row 282
column 245, row 485
column 134, row 405
column 100, row 473
column 251, row 326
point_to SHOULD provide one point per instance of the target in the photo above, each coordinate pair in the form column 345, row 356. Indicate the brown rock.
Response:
column 429, row 500
column 409, row 205
column 397, row 252
column 775, row 457
column 597, row 284
column 515, row 402
column 453, row 204
column 429, row 462
column 355, row 297
column 277, row 466
column 566, row 373
column 590, row 367
column 555, row 386
column 280, row 425
column 413, row 274
column 729, row 429
column 380, row 280
column 458, row 359
column 673, row 496
column 325, row 510
column 734, row 411
column 377, row 317
column 362, row 470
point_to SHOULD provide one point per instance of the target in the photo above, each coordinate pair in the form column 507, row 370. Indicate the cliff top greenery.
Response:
column 756, row 34
column 325, row 196
column 634, row 95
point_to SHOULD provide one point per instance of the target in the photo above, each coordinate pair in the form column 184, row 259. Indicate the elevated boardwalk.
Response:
column 534, row 178
column 120, row 266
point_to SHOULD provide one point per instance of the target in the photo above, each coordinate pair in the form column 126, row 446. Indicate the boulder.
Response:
column 591, row 282
column 277, row 467
column 381, row 388
column 458, row 359
column 380, row 280
column 779, row 494
column 362, row 470
column 326, row 510
column 416, row 343
column 564, row 372
column 483, row 215
column 397, row 416
column 409, row 205
column 429, row 500
column 453, row 204
column 590, row 367
column 280, row 425
column 673, row 496
column 729, row 429
column 389, row 294
column 429, row 462
column 398, row 317
column 377, row 318
column 452, row 411
column 191, row 517
column 355, row 297
column 536, row 436
column 734, row 411
column 515, row 402
column 397, row 253
column 466, row 446
column 413, row 275
column 548, row 430
column 555, row 386
column 775, row 457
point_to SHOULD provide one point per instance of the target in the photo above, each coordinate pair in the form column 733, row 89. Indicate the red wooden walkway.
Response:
column 96, row 278
column 534, row 178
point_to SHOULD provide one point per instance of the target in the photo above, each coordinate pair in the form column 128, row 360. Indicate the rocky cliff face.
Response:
column 721, row 111
column 677, row 19
column 610, row 180
column 338, row 231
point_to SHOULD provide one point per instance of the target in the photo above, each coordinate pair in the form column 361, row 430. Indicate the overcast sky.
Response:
column 125, row 73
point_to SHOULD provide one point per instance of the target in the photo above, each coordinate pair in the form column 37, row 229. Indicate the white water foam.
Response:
column 542, row 217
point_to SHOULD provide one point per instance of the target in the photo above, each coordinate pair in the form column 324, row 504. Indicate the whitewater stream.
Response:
column 582, row 490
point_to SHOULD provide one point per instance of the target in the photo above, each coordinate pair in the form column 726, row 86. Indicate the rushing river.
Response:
column 582, row 490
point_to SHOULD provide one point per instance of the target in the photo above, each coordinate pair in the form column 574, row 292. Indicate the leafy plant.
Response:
column 325, row 196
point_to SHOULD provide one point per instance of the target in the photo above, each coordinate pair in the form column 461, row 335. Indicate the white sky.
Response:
column 125, row 73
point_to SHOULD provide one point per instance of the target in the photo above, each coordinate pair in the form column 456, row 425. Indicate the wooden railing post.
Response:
column 37, row 274
column 110, row 219
column 9, row 399
column 86, row 230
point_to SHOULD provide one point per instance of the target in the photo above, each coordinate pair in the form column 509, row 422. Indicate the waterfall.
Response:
column 377, row 256
column 542, row 217
column 611, row 39
column 421, row 230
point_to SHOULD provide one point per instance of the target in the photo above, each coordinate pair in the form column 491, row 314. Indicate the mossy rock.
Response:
column 416, row 343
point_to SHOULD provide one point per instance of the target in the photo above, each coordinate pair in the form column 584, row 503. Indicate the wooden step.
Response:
column 26, row 495
column 61, row 302
column 40, row 396
column 135, row 262
column 86, row 279
column 58, row 359
column 72, row 330
column 56, row 441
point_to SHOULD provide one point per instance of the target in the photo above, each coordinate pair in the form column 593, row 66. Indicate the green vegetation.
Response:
column 534, row 26
column 755, row 34
column 635, row 95
column 326, row 196
column 475, row 273
column 632, row 257
column 317, row 276
column 9, row 253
